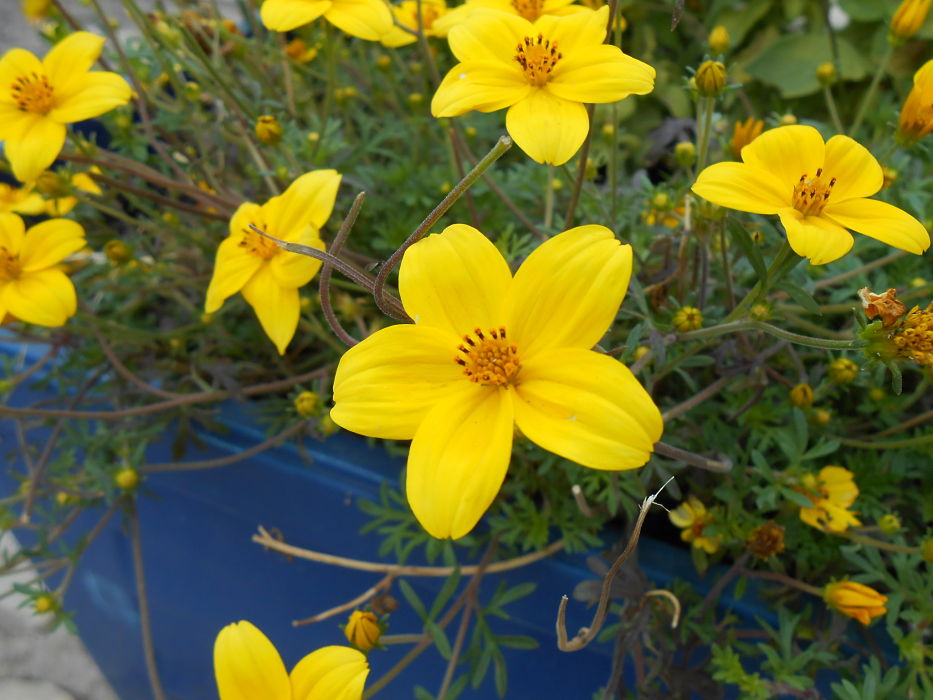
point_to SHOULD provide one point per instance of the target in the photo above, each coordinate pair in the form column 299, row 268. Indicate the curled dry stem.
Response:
column 324, row 280
column 383, row 584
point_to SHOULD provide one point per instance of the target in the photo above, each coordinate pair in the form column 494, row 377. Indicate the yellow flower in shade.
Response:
column 908, row 18
column 832, row 492
column 856, row 600
column 248, row 667
column 365, row 19
column 363, row 630
column 917, row 113
column 743, row 133
column 487, row 352
column 406, row 14
column 542, row 72
column 692, row 517
column 22, row 200
column 59, row 206
column 531, row 10
column 817, row 189
column 268, row 276
column 687, row 318
column 37, row 99
column 32, row 287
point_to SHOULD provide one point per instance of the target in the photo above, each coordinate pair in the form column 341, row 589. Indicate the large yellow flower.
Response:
column 831, row 492
column 37, row 99
column 488, row 352
column 366, row 19
column 32, row 287
column 529, row 9
column 248, row 667
column 268, row 276
column 917, row 113
column 543, row 72
column 818, row 189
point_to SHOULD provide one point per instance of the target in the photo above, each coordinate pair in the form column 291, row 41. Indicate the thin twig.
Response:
column 693, row 459
column 363, row 597
column 324, row 280
column 126, row 373
column 143, row 602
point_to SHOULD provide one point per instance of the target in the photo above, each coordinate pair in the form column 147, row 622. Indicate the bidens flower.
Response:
column 32, row 287
column 529, row 9
column 487, row 352
column 832, row 492
column 855, row 600
column 366, row 19
column 248, row 667
column 37, row 99
column 363, row 630
column 543, row 72
column 692, row 517
column 917, row 113
column 818, row 189
column 268, row 276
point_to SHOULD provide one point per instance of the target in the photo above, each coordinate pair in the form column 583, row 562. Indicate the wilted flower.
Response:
column 831, row 492
column 766, row 540
column 363, row 630
column 885, row 305
column 916, row 119
column 692, row 517
column 855, row 600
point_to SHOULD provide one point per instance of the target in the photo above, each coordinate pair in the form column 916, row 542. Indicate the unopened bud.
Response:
column 826, row 73
column 307, row 404
column 710, row 78
column 718, row 40
column 802, row 395
column 117, row 251
column 685, row 153
column 268, row 130
column 126, row 479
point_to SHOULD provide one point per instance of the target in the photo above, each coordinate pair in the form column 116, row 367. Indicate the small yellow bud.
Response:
column 660, row 200
column 344, row 94
column 802, row 395
column 306, row 303
column 760, row 312
column 710, row 78
column 687, row 318
column 826, row 73
column 63, row 498
column 415, row 99
column 821, row 417
column 363, row 630
column 34, row 10
column 297, row 50
column 685, row 153
column 123, row 121
column 268, row 130
column 907, row 20
column 383, row 61
column 889, row 523
column 307, row 404
column 876, row 394
column 117, row 251
column 347, row 307
column 44, row 603
column 176, row 343
column 52, row 184
column 192, row 91
column 470, row 132
column 416, row 66
column 126, row 479
column 207, row 318
column 918, row 282
column 757, row 237
column 788, row 119
column 718, row 40
column 855, row 600
column 327, row 427
column 609, row 130
column 170, row 218
column 556, row 184
column 641, row 351
column 926, row 549
column 843, row 370
column 445, row 187
column 889, row 175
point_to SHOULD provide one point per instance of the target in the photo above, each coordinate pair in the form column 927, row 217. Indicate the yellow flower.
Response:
column 692, row 516
column 487, row 352
column 832, row 492
column 687, row 318
column 38, row 98
column 914, row 339
column 817, row 189
column 366, row 19
column 298, row 50
column 32, row 287
column 21, row 200
column 855, row 600
column 406, row 14
column 59, row 206
column 543, row 72
column 743, row 133
column 917, row 113
column 248, row 667
column 268, row 276
column 908, row 18
column 532, row 10
column 363, row 630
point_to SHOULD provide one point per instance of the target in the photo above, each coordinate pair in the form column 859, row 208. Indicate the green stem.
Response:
column 869, row 95
column 747, row 325
column 880, row 544
column 549, row 197
column 704, row 129
column 833, row 113
column 782, row 263
column 890, row 444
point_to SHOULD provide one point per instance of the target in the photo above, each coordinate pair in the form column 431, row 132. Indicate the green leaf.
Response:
column 796, row 497
column 517, row 641
column 447, row 590
column 801, row 296
column 413, row 600
column 865, row 10
column 745, row 242
column 501, row 673
column 515, row 593
column 422, row 694
column 790, row 63
column 738, row 19
column 439, row 638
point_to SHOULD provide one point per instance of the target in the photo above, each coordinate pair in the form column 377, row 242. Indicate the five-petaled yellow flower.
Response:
column 529, row 9
column 917, row 113
column 366, row 19
column 831, row 492
column 693, row 517
column 32, row 287
column 856, row 600
column 268, row 276
column 818, row 189
column 37, row 99
column 248, row 667
column 543, row 72
column 487, row 352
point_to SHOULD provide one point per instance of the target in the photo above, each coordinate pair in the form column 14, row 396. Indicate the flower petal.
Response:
column 568, row 291
column 14, row 64
column 855, row 169
column 44, row 297
column 276, row 307
column 50, row 242
column 294, row 270
column 96, row 93
column 815, row 237
column 366, row 19
column 35, row 149
column 285, row 15
column 458, row 459
column 385, row 385
column 548, row 128
column 489, row 35
column 68, row 62
column 233, row 267
column 455, row 281
column 574, row 32
column 599, row 74
column 12, row 232
column 308, row 200
column 13, row 122
column 743, row 187
column 882, row 221
column 587, row 407
column 787, row 152
column 330, row 673
column 481, row 85
column 247, row 665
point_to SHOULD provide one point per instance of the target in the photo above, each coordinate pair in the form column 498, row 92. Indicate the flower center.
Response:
column 256, row 243
column 33, row 93
column 537, row 57
column 810, row 195
column 529, row 9
column 10, row 268
column 914, row 340
column 488, row 359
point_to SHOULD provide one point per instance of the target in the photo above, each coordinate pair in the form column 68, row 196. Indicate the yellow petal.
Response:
column 568, row 291
column 599, row 74
column 276, row 307
column 44, row 297
column 247, row 665
column 285, row 15
column 455, row 281
column 682, row 516
column 293, row 270
column 233, row 267
column 60, row 206
column 815, row 237
column 35, row 149
column 575, row 32
column 94, row 94
column 50, row 242
column 330, row 673
column 549, row 129
column 882, row 221
column 481, row 85
column 245, row 214
column 587, row 407
column 29, row 203
column 12, row 232
column 13, row 122
column 787, row 152
column 840, row 485
column 458, row 459
column 14, row 64
column 69, row 60
column 366, row 19
column 855, row 169
column 385, row 385
column 85, row 183
column 743, row 187
column 308, row 200
column 489, row 35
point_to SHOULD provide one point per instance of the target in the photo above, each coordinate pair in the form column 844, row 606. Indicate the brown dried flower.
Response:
column 886, row 305
column 766, row 540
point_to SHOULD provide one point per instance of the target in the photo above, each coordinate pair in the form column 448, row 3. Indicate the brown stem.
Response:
column 581, row 169
column 691, row 458
column 126, row 373
column 324, row 280
column 363, row 597
column 159, row 199
column 143, row 602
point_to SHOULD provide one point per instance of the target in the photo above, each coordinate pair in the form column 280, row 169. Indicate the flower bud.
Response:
column 363, row 630
column 821, row 417
column 855, row 600
column 685, row 153
column 415, row 99
column 307, row 404
column 926, row 549
column 383, row 62
column 876, row 394
column 826, row 73
column 760, row 312
column 907, row 20
column 788, row 119
column 802, row 395
column 268, row 130
column 44, row 603
column 192, row 91
column 35, row 10
column 51, row 184
column 126, row 479
column 470, row 132
column 718, row 40
column 327, row 427
column 687, row 318
column 843, row 370
column 640, row 352
column 889, row 523
column 889, row 175
column 117, row 251
column 710, row 78
column 299, row 51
